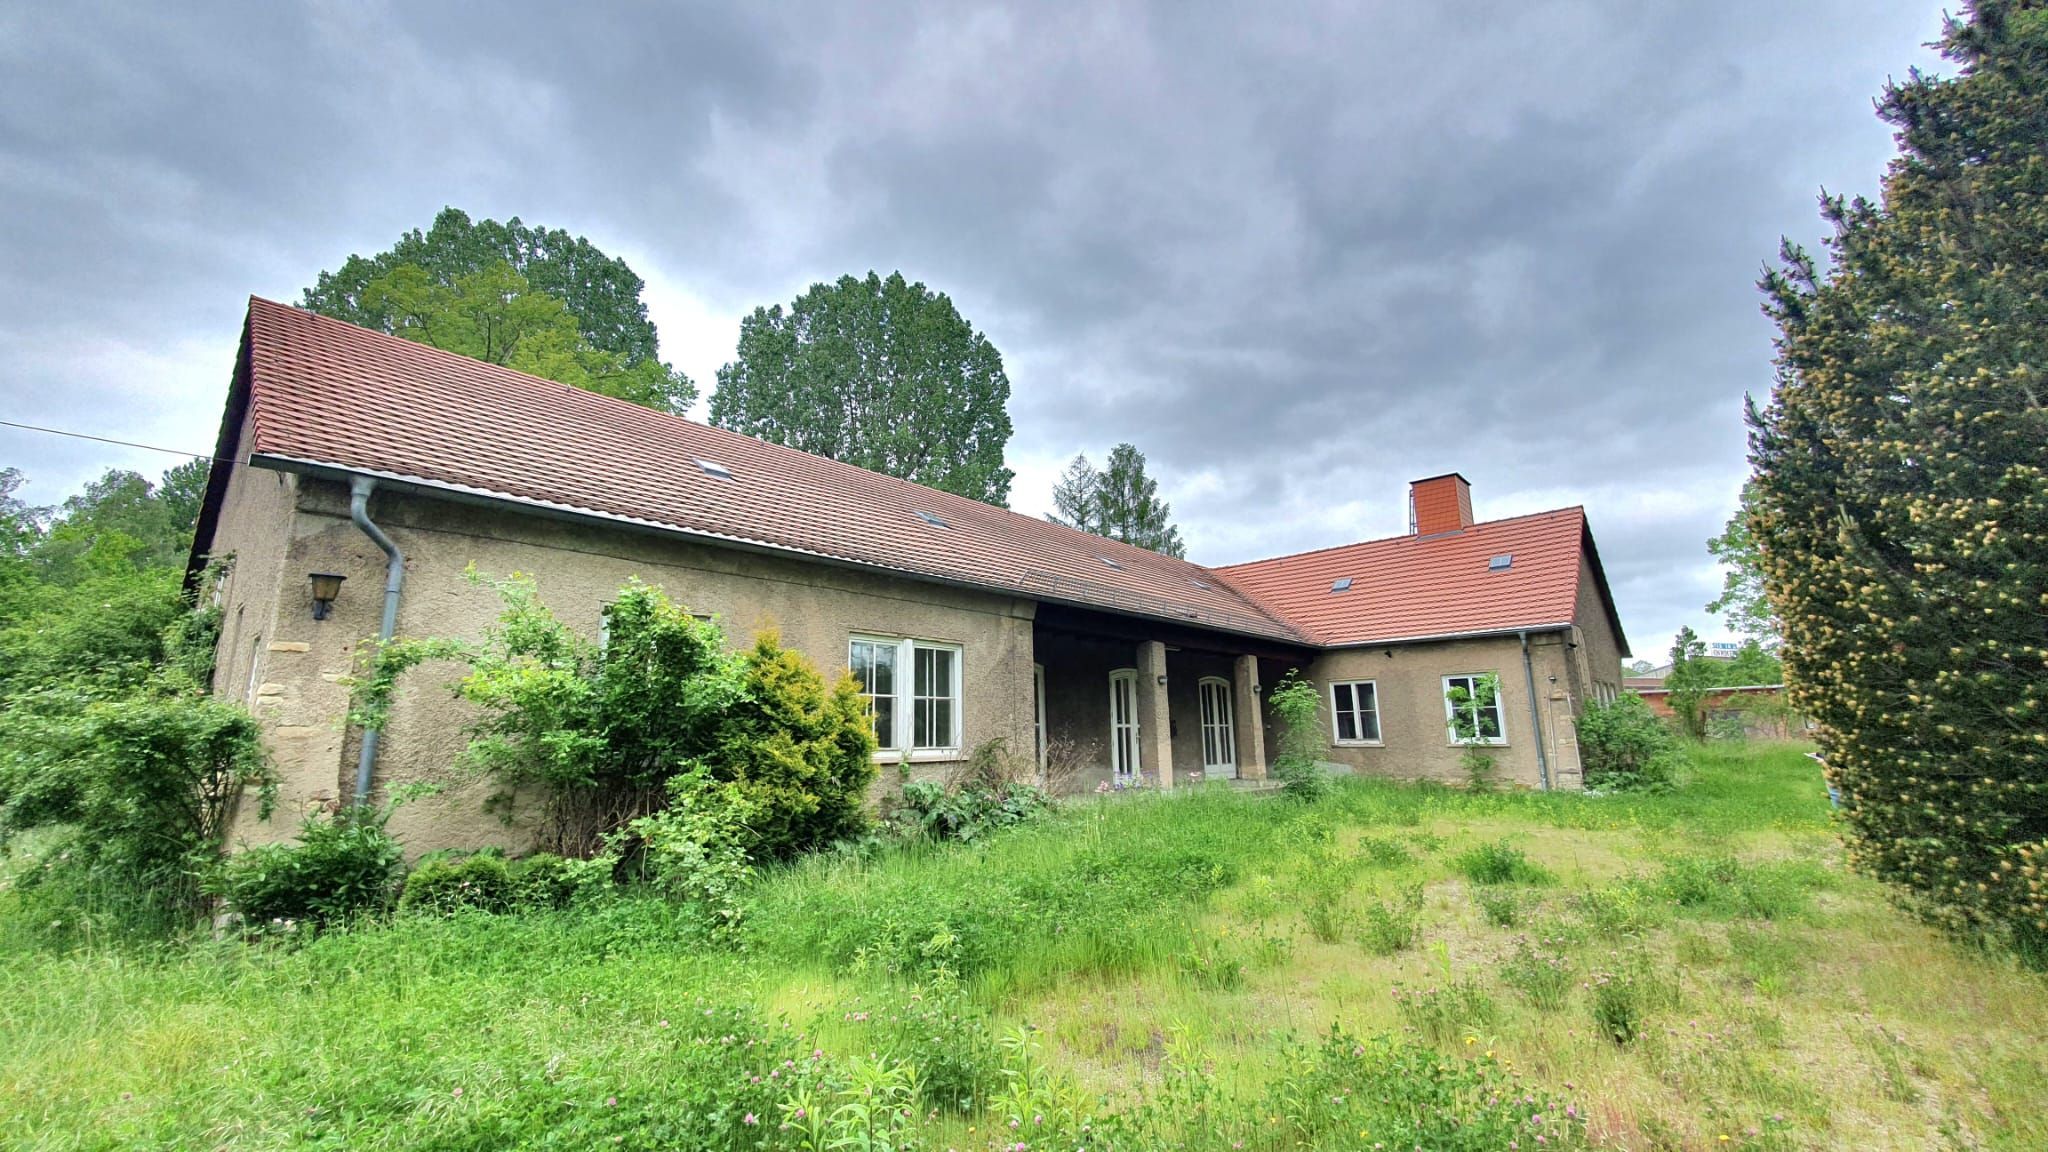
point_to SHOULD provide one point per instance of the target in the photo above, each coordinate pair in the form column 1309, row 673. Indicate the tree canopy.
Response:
column 600, row 291
column 537, row 301
column 1120, row 502
column 1901, row 491
column 881, row 373
column 1742, row 601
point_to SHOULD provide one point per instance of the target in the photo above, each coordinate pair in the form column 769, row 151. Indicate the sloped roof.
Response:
column 1410, row 587
column 326, row 394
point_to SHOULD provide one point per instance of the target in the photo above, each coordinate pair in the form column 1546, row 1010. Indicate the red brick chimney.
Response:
column 1439, row 504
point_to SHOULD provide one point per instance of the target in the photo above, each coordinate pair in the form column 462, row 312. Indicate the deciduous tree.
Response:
column 496, row 316
column 600, row 291
column 1742, row 601
column 1902, row 491
column 880, row 373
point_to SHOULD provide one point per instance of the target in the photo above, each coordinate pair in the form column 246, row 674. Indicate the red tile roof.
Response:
column 1408, row 587
column 322, row 392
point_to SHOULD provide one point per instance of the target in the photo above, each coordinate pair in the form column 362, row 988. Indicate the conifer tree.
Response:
column 1902, row 485
column 1120, row 502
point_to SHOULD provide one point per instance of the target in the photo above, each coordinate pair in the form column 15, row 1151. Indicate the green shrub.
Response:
column 340, row 866
column 1295, row 703
column 544, row 880
column 802, row 753
column 697, row 848
column 936, row 1030
column 1627, row 908
column 981, row 799
column 599, row 730
column 446, row 882
column 1541, row 974
column 1617, row 1005
column 1387, row 927
column 1383, row 853
column 1209, row 963
column 1501, row 907
column 1726, row 886
column 140, row 780
column 1624, row 747
column 1499, row 862
column 1445, row 1013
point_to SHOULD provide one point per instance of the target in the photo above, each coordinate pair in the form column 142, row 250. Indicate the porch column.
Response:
column 1250, row 720
column 1155, row 724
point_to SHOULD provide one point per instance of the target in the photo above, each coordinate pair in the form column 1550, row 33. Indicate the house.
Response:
column 396, row 467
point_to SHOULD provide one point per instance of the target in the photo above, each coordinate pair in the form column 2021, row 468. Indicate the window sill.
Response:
column 1477, row 744
column 1358, row 744
column 920, row 756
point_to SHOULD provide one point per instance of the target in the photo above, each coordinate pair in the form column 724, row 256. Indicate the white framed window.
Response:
column 913, row 692
column 1219, row 726
column 1485, row 715
column 1355, row 712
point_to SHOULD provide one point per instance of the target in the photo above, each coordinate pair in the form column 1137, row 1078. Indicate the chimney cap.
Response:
column 1441, row 476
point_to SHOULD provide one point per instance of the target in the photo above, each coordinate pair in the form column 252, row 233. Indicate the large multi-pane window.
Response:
column 917, row 714
column 1355, row 711
column 1477, row 698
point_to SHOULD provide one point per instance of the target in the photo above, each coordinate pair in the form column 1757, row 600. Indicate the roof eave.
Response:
column 1438, row 637
column 465, row 494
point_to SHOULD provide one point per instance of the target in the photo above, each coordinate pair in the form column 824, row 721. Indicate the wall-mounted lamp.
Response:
column 1162, row 681
column 326, row 586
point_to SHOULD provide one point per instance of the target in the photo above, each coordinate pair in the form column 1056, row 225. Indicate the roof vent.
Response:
column 1501, row 562
column 1341, row 584
column 714, row 468
column 1204, row 585
column 930, row 519
column 1111, row 563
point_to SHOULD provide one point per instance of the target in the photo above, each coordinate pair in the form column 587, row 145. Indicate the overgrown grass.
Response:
column 1698, row 966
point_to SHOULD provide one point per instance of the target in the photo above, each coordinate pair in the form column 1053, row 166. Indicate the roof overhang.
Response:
column 1439, row 637
column 464, row 494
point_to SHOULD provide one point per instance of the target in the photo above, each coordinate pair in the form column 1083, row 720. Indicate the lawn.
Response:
column 1693, row 970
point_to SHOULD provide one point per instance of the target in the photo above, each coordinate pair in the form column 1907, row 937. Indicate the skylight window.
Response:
column 1341, row 584
column 930, row 519
column 1501, row 562
column 1204, row 585
column 1111, row 563
column 714, row 468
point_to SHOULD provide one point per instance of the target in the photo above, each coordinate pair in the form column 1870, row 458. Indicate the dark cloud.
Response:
column 1299, row 260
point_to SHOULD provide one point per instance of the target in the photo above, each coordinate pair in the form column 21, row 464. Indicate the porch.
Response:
column 1123, row 704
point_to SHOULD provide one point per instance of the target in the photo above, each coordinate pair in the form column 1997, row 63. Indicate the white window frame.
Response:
column 904, row 718
column 1336, row 739
column 1038, row 701
column 1135, row 768
column 1500, row 709
column 1226, row 728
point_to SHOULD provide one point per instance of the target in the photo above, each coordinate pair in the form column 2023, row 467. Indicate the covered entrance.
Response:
column 1143, row 705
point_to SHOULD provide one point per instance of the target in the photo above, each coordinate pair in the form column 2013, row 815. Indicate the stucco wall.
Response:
column 1415, row 740
column 578, row 569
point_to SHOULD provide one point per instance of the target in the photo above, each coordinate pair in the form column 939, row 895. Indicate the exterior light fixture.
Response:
column 1162, row 681
column 326, row 586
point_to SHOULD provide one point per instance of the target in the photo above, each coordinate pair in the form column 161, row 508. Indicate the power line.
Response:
column 120, row 443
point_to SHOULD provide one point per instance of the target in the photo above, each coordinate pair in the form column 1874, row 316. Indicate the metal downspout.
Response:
column 1535, row 720
column 360, row 488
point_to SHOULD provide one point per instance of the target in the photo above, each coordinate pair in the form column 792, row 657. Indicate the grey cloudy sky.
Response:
column 1300, row 256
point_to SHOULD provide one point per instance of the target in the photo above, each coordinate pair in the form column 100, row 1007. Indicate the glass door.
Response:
column 1219, row 729
column 1123, row 724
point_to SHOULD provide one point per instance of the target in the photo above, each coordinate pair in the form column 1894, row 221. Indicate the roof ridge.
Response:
column 1579, row 508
